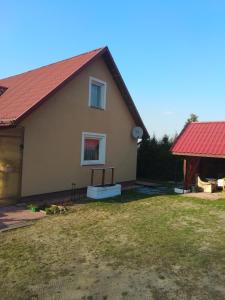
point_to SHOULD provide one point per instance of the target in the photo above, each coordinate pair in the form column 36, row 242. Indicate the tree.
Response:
column 155, row 161
column 192, row 118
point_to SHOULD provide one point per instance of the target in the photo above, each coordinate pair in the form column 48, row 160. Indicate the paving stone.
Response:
column 14, row 215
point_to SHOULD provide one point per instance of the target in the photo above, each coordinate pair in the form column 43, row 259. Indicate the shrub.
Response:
column 55, row 209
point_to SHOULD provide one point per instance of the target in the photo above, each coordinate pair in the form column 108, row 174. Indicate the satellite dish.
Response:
column 137, row 133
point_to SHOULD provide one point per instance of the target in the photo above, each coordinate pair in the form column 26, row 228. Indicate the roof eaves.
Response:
column 198, row 155
column 7, row 123
column 124, row 91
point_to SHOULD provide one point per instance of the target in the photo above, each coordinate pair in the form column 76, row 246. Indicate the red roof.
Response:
column 24, row 92
column 28, row 89
column 201, row 139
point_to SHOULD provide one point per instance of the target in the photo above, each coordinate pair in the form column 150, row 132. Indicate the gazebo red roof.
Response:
column 206, row 139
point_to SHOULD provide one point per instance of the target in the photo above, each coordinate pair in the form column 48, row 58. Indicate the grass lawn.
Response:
column 132, row 247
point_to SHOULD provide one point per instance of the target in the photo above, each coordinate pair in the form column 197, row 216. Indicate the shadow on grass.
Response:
column 126, row 196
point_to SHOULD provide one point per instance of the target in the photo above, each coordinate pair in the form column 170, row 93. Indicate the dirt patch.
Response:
column 93, row 280
column 187, row 205
column 185, row 221
column 207, row 196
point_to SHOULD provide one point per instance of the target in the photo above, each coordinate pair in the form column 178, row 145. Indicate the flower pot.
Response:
column 34, row 209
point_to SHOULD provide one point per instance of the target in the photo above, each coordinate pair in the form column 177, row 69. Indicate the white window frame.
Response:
column 103, row 92
column 102, row 148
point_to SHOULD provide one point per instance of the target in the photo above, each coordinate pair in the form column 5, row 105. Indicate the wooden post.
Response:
column 103, row 176
column 112, row 182
column 92, row 176
column 185, row 173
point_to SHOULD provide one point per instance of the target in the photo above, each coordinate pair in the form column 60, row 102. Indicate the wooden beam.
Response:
column 92, row 176
column 112, row 182
column 103, row 176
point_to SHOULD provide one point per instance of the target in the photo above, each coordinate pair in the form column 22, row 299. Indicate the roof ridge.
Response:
column 56, row 62
column 27, row 91
column 206, row 122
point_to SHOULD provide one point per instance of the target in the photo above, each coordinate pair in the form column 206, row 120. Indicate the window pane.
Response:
column 95, row 95
column 91, row 149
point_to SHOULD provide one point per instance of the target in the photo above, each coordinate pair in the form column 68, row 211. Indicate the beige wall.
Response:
column 52, row 137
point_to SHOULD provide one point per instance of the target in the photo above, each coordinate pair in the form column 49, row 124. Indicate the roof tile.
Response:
column 202, row 139
column 27, row 89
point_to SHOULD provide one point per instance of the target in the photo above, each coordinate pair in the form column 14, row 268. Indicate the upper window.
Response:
column 97, row 93
column 93, row 148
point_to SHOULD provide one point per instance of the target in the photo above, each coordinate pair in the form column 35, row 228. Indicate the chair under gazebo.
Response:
column 202, row 146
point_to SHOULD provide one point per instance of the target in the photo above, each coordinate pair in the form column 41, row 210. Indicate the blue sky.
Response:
column 171, row 53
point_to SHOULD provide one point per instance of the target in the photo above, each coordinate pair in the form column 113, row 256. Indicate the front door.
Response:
column 11, row 141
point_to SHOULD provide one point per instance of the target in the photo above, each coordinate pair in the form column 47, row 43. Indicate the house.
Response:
column 59, row 121
column 202, row 145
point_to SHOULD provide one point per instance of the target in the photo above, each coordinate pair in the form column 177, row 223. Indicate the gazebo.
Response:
column 202, row 146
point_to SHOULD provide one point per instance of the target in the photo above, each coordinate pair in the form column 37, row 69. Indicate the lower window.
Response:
column 93, row 148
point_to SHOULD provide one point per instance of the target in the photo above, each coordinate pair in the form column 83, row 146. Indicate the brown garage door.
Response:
column 11, row 141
